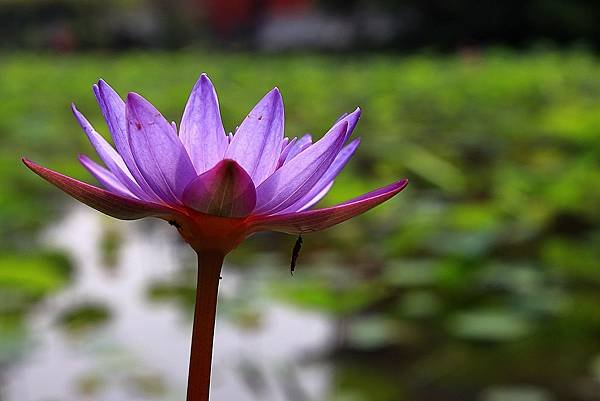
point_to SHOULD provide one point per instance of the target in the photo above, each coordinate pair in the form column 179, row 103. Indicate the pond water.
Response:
column 138, row 347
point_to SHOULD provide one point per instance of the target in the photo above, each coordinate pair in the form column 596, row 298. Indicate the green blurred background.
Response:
column 481, row 281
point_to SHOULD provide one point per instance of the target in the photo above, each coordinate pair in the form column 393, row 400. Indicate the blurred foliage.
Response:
column 482, row 274
column 110, row 246
column 30, row 277
column 84, row 317
column 25, row 280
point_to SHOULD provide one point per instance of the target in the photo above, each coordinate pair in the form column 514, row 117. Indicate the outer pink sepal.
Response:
column 100, row 199
column 314, row 220
column 225, row 190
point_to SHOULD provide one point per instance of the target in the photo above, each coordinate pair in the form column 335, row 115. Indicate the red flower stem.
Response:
column 209, row 271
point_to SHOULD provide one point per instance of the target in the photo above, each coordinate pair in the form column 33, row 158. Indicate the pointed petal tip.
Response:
column 83, row 158
column 275, row 92
column 400, row 184
column 234, row 168
column 205, row 84
column 135, row 98
column 81, row 120
column 100, row 86
column 201, row 129
column 351, row 119
column 31, row 165
column 136, row 101
column 103, row 85
column 132, row 97
column 231, row 166
column 355, row 115
column 352, row 116
column 397, row 186
column 274, row 96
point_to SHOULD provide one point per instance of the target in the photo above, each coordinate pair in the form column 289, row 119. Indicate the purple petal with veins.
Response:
column 315, row 199
column 105, row 177
column 285, row 151
column 256, row 145
column 352, row 120
column 295, row 178
column 157, row 151
column 320, row 189
column 109, row 156
column 113, row 109
column 304, row 142
column 201, row 131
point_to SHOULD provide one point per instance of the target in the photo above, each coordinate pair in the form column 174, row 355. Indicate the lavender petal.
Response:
column 105, row 177
column 320, row 189
column 109, row 156
column 256, row 144
column 157, row 150
column 295, row 178
column 201, row 130
column 113, row 109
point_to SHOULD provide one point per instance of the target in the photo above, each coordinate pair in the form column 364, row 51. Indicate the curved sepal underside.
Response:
column 320, row 219
column 117, row 206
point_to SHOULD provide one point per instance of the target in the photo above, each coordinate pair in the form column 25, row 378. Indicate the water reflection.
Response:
column 104, row 337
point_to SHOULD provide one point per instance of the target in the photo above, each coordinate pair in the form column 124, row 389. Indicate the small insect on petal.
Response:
column 295, row 254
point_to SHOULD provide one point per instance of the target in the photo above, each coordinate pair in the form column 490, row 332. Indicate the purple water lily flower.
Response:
column 217, row 189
